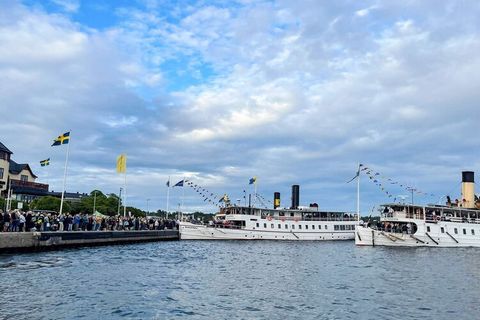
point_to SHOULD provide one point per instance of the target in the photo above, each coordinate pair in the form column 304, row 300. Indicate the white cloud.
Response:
column 300, row 92
column 69, row 6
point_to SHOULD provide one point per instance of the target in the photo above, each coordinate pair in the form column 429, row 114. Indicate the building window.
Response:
column 1, row 173
column 24, row 177
column 455, row 230
column 464, row 231
column 442, row 230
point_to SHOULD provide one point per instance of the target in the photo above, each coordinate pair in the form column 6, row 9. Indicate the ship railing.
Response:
column 312, row 219
column 435, row 219
column 225, row 226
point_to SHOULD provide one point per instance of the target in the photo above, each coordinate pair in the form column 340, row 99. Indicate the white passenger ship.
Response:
column 453, row 225
column 297, row 223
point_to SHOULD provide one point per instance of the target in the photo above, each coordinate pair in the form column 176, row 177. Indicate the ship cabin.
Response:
column 396, row 217
column 237, row 215
column 430, row 213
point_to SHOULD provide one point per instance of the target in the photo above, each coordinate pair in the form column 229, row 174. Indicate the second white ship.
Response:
column 294, row 223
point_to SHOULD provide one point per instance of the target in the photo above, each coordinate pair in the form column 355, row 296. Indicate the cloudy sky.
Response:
column 293, row 92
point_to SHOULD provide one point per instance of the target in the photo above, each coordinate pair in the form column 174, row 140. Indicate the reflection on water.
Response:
column 242, row 280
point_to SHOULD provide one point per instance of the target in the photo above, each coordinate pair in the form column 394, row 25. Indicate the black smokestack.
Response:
column 295, row 196
column 276, row 200
column 468, row 176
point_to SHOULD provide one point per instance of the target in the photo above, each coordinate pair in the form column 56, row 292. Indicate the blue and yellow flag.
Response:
column 122, row 163
column 63, row 139
column 252, row 180
column 179, row 183
column 45, row 162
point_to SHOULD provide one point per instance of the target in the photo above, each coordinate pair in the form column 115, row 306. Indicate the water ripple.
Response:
column 241, row 280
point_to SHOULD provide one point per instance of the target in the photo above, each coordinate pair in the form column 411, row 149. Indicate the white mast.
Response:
column 183, row 196
column 358, row 193
column 65, row 173
column 125, row 191
column 168, row 196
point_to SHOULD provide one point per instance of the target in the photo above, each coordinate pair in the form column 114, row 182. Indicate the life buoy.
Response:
column 438, row 218
column 269, row 218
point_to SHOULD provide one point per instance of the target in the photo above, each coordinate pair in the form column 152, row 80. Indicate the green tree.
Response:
column 49, row 203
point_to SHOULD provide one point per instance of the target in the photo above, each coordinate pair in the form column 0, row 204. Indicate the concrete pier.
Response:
column 33, row 241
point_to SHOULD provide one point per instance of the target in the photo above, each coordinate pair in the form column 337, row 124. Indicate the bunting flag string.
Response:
column 263, row 200
column 207, row 196
column 382, row 181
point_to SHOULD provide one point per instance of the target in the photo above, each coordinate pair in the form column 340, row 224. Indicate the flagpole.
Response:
column 168, row 196
column 125, row 193
column 183, row 196
column 46, row 174
column 358, row 193
column 65, row 175
column 255, row 189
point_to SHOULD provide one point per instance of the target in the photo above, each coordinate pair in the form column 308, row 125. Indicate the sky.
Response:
column 292, row 92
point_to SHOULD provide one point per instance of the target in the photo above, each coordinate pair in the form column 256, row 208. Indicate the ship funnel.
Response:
column 276, row 200
column 468, row 189
column 295, row 196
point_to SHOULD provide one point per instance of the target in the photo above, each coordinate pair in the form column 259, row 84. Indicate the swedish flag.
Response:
column 63, row 139
column 45, row 162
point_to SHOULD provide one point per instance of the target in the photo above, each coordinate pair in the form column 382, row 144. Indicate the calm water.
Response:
column 241, row 280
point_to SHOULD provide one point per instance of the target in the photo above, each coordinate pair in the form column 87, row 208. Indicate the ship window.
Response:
column 313, row 227
column 464, row 231
column 299, row 226
column 291, row 214
column 258, row 225
column 473, row 232
column 286, row 226
column 319, row 227
column 326, row 227
column 272, row 225
column 336, row 227
column 455, row 230
column 293, row 226
column 428, row 229
column 442, row 230
column 306, row 226
column 279, row 226
column 265, row 225
column 342, row 227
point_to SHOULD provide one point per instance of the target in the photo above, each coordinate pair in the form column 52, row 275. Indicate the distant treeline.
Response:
column 107, row 204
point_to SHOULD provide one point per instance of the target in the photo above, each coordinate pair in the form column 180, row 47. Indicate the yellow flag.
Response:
column 122, row 163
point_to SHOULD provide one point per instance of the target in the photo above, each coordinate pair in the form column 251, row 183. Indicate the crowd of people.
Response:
column 19, row 221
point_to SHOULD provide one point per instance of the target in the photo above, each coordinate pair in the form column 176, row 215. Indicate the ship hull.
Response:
column 446, row 239
column 190, row 231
